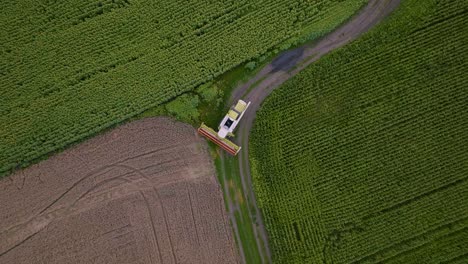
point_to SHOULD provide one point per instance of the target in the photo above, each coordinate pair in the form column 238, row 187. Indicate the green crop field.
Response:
column 69, row 69
column 363, row 156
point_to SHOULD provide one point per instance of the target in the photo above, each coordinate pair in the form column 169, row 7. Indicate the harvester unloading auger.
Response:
column 226, row 127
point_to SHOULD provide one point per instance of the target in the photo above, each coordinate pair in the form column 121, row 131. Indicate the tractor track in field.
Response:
column 270, row 77
column 145, row 192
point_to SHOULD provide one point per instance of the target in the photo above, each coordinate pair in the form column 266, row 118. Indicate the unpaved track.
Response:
column 232, row 207
column 285, row 66
column 145, row 192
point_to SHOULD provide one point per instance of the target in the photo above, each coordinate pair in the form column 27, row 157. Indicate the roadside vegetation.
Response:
column 70, row 70
column 362, row 157
column 229, row 178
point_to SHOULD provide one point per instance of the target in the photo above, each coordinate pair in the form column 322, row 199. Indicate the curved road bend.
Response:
column 285, row 66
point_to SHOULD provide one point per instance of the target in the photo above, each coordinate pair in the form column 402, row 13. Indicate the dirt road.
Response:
column 285, row 66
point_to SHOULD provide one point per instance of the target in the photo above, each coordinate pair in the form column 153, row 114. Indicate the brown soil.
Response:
column 145, row 192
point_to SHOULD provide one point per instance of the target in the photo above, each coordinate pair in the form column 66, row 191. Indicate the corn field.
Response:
column 69, row 69
column 363, row 156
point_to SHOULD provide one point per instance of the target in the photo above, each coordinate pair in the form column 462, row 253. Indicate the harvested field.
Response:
column 145, row 192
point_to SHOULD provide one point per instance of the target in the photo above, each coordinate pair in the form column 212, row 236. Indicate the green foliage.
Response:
column 154, row 111
column 209, row 92
column 69, row 69
column 362, row 157
column 252, row 64
column 184, row 108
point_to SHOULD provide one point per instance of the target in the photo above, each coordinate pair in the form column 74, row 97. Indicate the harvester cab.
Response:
column 226, row 128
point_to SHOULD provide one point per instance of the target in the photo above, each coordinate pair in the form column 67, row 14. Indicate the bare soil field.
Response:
column 145, row 192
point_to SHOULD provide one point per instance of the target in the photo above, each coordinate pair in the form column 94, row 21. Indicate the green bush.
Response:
column 184, row 108
column 251, row 65
column 209, row 92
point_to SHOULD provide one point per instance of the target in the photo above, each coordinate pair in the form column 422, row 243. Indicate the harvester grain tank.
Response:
column 226, row 128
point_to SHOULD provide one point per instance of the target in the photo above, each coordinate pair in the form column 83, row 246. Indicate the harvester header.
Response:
column 225, row 128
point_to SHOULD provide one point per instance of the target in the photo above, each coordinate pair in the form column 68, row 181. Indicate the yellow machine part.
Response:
column 240, row 106
column 232, row 114
column 225, row 144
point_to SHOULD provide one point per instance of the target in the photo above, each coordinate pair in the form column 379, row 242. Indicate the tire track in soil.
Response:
column 97, row 172
column 191, row 213
column 148, row 208
column 167, row 228
column 152, row 227
column 94, row 187
column 147, row 179
column 54, row 215
column 271, row 77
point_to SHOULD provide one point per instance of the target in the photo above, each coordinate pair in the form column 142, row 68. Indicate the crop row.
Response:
column 76, row 68
column 367, row 147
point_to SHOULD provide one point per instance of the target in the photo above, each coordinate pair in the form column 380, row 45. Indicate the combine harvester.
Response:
column 226, row 127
